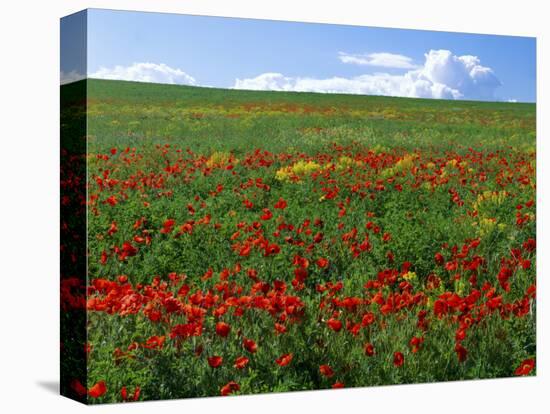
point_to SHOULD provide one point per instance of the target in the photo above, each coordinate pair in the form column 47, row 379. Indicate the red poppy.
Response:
column 369, row 349
column 155, row 342
column 368, row 319
column 137, row 392
column 223, row 329
column 337, row 385
column 230, row 388
column 97, row 390
column 284, row 360
column 415, row 343
column 461, row 352
column 398, row 359
column 112, row 201
column 78, row 388
column 124, row 393
column 318, row 238
column 334, row 324
column 280, row 328
column 525, row 368
column 113, row 229
column 241, row 362
column 281, row 204
column 168, row 226
column 326, row 371
column 300, row 274
column 266, row 214
column 322, row 262
column 215, row 361
column 250, row 345
column 103, row 257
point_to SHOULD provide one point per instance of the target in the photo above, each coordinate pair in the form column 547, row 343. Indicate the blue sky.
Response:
column 262, row 54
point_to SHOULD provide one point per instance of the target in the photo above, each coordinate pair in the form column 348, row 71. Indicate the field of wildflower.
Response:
column 247, row 242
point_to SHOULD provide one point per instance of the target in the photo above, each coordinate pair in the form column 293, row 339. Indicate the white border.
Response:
column 29, row 210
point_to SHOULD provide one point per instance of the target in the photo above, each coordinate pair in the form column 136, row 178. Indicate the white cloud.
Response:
column 69, row 77
column 145, row 72
column 382, row 59
column 443, row 76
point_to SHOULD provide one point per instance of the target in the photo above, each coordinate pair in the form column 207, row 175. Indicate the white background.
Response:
column 29, row 174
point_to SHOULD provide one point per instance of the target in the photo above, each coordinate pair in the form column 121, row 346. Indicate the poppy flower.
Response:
column 338, row 385
column 78, row 388
column 215, row 361
column 369, row 349
column 103, row 259
column 280, row 328
column 155, row 342
column 266, row 214
column 368, row 319
column 113, row 229
column 112, row 201
column 284, row 360
column 461, row 352
column 223, row 329
column 415, row 343
column 245, row 250
column 398, row 359
column 97, row 390
column 137, row 392
column 525, row 368
column 230, row 388
column 318, row 238
column 334, row 324
column 300, row 274
column 281, row 204
column 168, row 226
column 124, row 393
column 326, row 371
column 241, row 362
column 250, row 345
column 322, row 262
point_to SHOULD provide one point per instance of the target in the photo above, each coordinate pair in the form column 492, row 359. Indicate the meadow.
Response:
column 249, row 242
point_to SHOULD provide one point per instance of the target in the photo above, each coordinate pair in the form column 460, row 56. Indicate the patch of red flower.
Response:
column 230, row 388
column 223, row 329
column 326, row 371
column 241, row 362
column 284, row 360
column 398, row 359
column 97, row 390
column 250, row 345
column 525, row 368
column 215, row 361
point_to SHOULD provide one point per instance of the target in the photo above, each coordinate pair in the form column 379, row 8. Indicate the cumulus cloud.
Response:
column 145, row 72
column 69, row 77
column 382, row 59
column 442, row 76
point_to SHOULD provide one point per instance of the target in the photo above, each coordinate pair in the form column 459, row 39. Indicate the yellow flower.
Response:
column 409, row 276
column 220, row 159
column 297, row 170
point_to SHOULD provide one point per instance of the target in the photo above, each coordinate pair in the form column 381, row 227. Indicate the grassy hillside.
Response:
column 155, row 112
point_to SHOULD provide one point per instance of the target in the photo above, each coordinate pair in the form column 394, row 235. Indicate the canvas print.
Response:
column 254, row 206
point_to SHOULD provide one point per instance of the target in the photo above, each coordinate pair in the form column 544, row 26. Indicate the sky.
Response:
column 293, row 56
